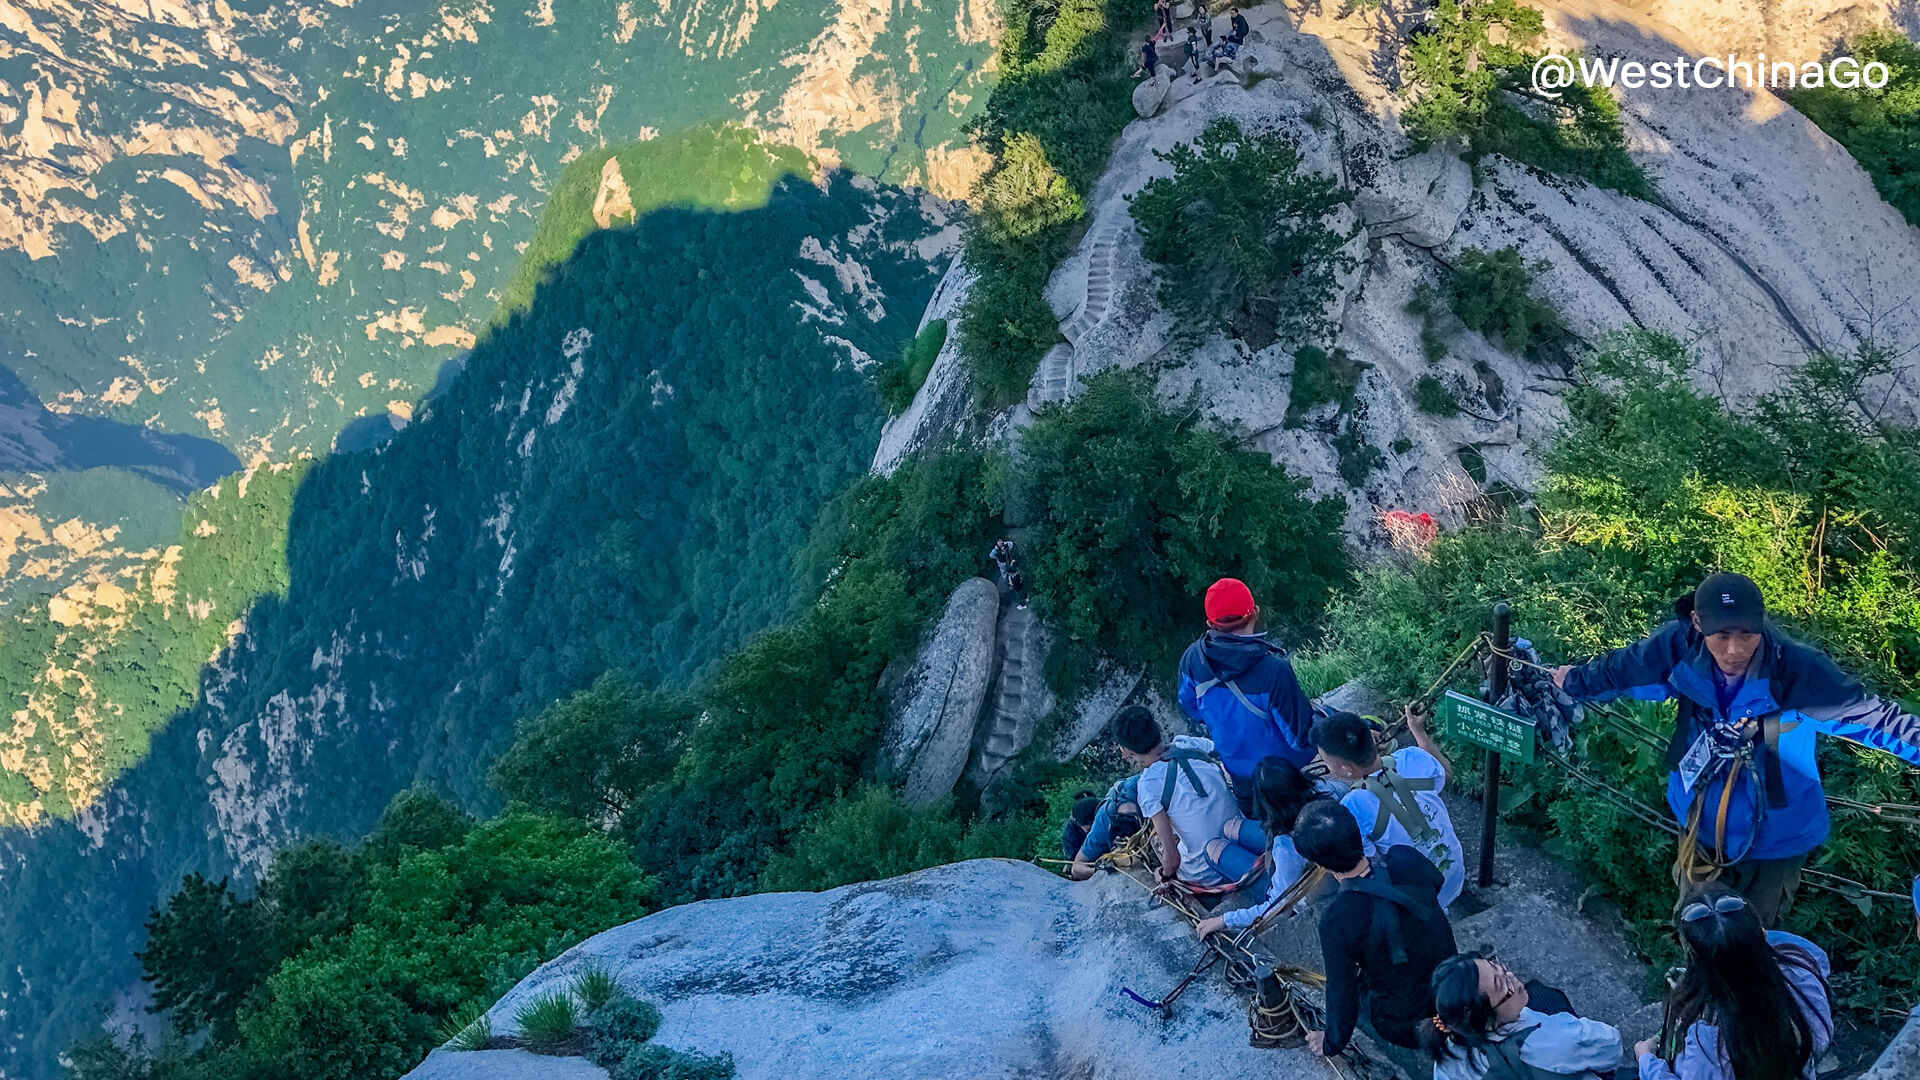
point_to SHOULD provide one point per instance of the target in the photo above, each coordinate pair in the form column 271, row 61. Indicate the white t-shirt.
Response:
column 1414, row 763
column 1196, row 818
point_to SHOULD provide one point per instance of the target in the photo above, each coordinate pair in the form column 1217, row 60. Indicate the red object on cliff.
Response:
column 1408, row 530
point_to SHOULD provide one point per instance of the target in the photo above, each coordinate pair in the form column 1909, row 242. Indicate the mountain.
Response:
column 619, row 477
column 238, row 230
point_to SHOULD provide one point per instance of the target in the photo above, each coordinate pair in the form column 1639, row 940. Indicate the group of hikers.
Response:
column 1246, row 803
column 1199, row 41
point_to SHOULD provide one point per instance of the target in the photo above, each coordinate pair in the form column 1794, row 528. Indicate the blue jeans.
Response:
column 1238, row 856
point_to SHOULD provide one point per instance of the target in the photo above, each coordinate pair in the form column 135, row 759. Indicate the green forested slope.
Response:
column 619, row 479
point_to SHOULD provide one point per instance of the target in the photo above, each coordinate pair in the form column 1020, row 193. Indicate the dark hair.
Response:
column 1347, row 737
column 1734, row 982
column 1279, row 792
column 1462, row 1014
column 1327, row 836
column 1137, row 730
column 1084, row 808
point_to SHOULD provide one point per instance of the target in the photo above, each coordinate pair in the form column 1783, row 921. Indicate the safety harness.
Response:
column 1693, row 867
column 1396, row 795
column 1180, row 761
column 1214, row 680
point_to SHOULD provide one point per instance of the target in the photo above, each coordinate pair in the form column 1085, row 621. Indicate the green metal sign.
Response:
column 1483, row 725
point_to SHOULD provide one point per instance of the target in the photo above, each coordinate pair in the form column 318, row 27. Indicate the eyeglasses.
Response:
column 1725, row 905
column 1508, row 982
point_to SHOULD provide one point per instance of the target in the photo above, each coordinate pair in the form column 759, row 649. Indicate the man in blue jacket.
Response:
column 1743, row 777
column 1241, row 688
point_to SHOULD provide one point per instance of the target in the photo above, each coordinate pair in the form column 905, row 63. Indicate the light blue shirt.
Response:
column 1702, row 1057
column 1565, row 1044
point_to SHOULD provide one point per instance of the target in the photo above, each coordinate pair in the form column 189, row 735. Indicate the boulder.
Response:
column 928, row 737
column 944, row 403
column 987, row 969
column 1152, row 93
column 1112, row 687
column 1901, row 1059
column 1418, row 199
column 504, row 1065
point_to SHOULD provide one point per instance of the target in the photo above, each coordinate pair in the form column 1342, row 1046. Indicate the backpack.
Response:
column 1503, row 1061
column 1213, row 678
column 1179, row 760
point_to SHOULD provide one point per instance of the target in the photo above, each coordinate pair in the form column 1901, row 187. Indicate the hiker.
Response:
column 1916, row 905
column 1163, row 14
column 1241, row 688
column 1239, row 24
column 1224, row 53
column 1280, row 793
column 1489, row 1025
column 1752, row 1003
column 1149, row 58
column 1117, row 818
column 1017, row 581
column 1381, row 936
column 1184, row 793
column 1204, row 19
column 1079, row 822
column 1395, row 800
column 1002, row 555
column 1743, row 780
column 1193, row 52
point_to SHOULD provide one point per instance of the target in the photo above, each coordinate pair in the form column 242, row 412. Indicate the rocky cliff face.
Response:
column 1766, row 242
column 988, row 968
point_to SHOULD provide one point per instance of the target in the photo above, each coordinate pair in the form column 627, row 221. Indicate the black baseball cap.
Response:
column 1729, row 602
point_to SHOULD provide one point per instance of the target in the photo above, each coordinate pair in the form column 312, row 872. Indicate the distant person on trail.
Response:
column 1395, row 800
column 1163, row 11
column 1280, row 792
column 1241, row 688
column 1194, row 52
column 1239, row 24
column 1743, row 779
column 1489, row 1025
column 1002, row 555
column 1381, row 936
column 1117, row 818
column 1184, row 794
column 1149, row 57
column 1752, row 1004
column 1204, row 19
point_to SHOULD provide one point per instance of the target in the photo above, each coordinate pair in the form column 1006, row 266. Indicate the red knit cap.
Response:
column 1228, row 601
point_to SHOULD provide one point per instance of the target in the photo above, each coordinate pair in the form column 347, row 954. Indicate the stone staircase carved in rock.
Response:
column 1059, row 367
column 1009, row 723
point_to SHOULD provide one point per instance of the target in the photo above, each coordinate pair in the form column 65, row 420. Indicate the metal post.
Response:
column 1497, row 689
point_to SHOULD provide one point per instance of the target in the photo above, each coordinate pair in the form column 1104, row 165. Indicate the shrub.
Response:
column 1136, row 509
column 1465, row 87
column 1061, row 98
column 587, row 756
column 899, row 381
column 1242, row 238
column 1492, row 294
column 1321, row 376
column 618, row 1025
column 595, row 986
column 1880, row 128
column 650, row 1062
column 1435, row 398
column 1650, row 486
column 546, row 1023
column 871, row 835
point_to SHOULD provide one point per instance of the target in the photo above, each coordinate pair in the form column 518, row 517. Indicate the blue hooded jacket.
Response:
column 1794, row 682
column 1277, row 723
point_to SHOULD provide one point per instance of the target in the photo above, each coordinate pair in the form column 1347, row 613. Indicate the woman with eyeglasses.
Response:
column 1487, row 1025
column 1752, row 1003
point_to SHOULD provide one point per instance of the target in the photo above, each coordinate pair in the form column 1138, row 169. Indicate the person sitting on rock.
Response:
column 1752, row 1003
column 1381, row 936
column 1149, row 58
column 1073, row 832
column 1241, row 688
column 1117, row 818
column 1489, row 1025
column 1239, row 24
column 1184, row 793
column 1280, row 793
column 1395, row 800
